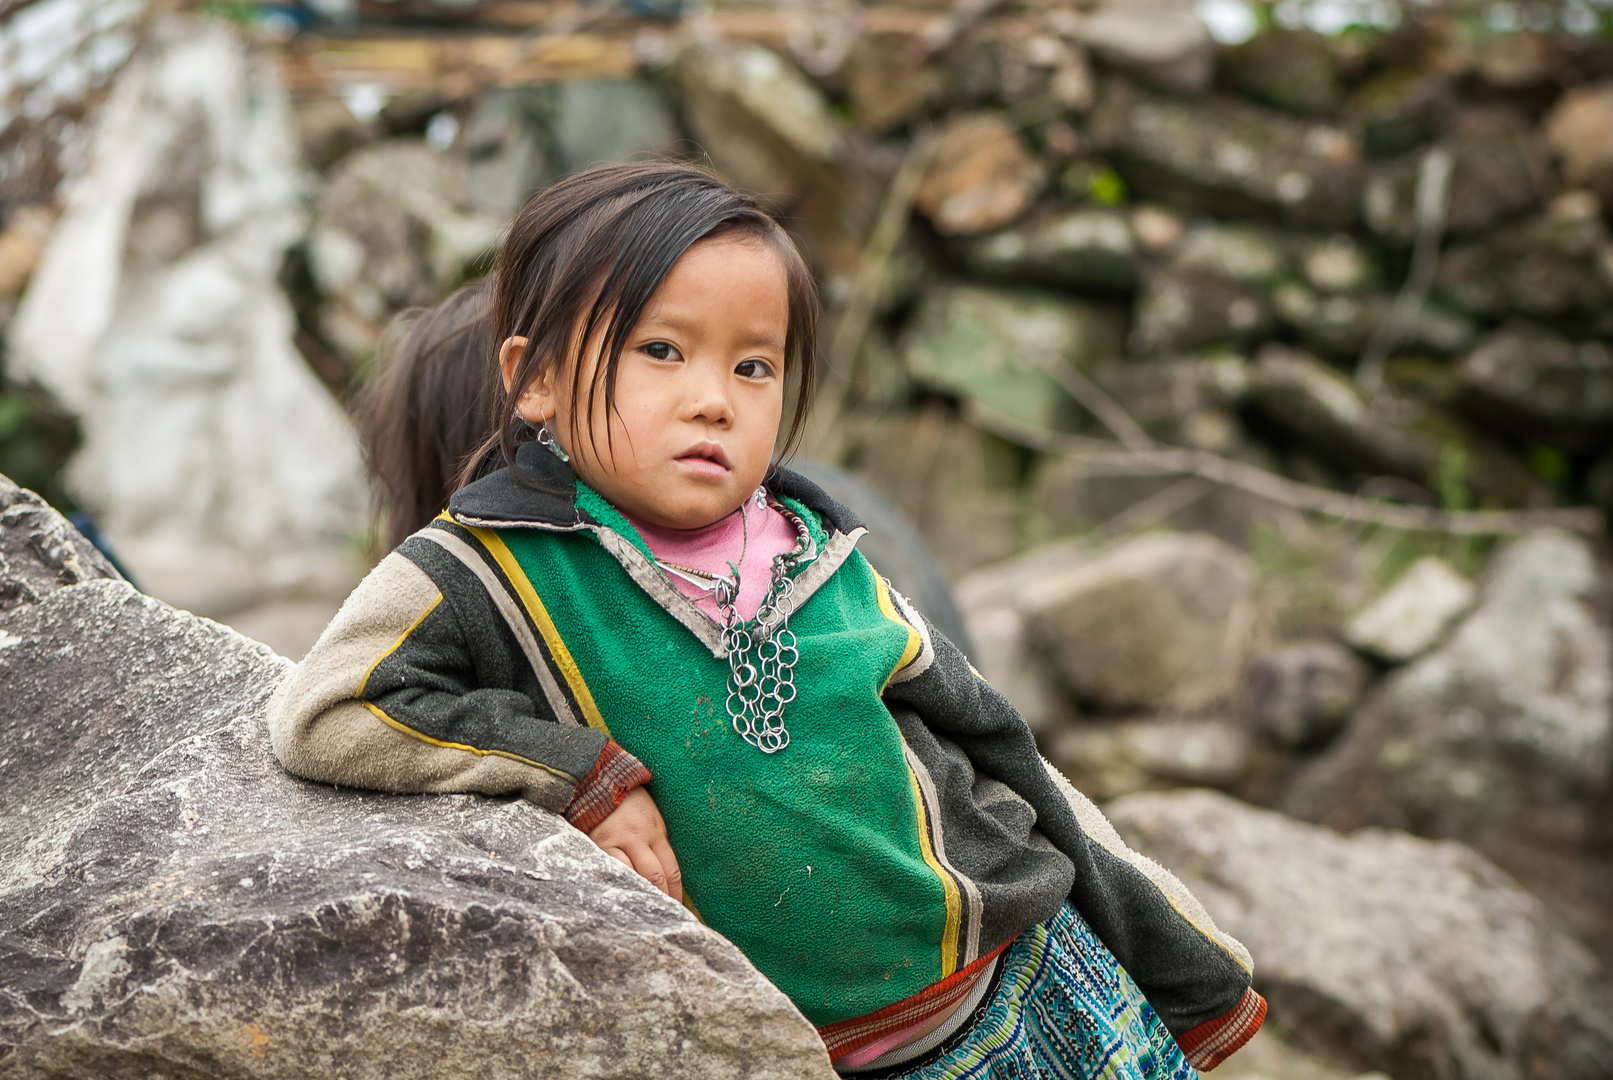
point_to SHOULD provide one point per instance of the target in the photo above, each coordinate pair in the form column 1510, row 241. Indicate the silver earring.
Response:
column 546, row 440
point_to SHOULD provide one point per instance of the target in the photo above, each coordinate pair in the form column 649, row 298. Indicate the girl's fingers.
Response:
column 669, row 865
column 648, row 864
column 620, row 856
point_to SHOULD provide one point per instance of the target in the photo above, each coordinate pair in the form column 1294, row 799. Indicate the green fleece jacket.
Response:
column 527, row 642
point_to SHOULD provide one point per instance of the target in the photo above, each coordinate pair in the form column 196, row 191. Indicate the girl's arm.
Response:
column 1196, row 977
column 397, row 696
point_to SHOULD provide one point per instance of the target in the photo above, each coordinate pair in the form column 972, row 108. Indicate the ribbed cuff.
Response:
column 613, row 776
column 1213, row 1041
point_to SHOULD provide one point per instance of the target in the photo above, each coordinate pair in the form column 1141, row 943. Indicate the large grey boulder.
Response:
column 1161, row 621
column 1418, row 958
column 1413, row 614
column 1500, row 737
column 172, row 903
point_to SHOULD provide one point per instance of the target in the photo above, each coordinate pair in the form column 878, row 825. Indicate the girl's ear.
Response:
column 536, row 401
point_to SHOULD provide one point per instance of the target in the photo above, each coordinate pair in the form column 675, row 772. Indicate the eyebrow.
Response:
column 681, row 325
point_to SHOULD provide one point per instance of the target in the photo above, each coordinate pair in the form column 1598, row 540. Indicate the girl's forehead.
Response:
column 738, row 282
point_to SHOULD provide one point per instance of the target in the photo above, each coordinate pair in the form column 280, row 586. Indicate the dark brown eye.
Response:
column 660, row 350
column 753, row 369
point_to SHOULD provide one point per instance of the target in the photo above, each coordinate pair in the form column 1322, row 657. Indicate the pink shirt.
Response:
column 712, row 548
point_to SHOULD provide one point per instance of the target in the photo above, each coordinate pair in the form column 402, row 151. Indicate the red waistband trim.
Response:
column 848, row 1036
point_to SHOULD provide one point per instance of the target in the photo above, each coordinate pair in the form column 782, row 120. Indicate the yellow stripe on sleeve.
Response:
column 888, row 607
column 949, row 935
column 540, row 617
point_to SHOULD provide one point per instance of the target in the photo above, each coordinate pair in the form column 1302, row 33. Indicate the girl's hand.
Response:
column 635, row 835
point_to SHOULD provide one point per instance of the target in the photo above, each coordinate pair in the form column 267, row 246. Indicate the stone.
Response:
column 1417, row 958
column 1300, row 694
column 1340, row 326
column 175, row 904
column 1556, row 266
column 1499, row 170
column 1226, row 157
column 1321, row 407
column 1181, row 400
column 387, row 237
column 981, row 176
column 770, row 131
column 992, row 599
column 327, row 130
column 1065, row 498
column 1535, row 385
column 1108, row 760
column 1247, row 254
column 1008, row 62
column 1413, row 614
column 1404, row 109
column 1337, row 264
column 1084, row 248
column 1160, row 621
column 214, row 461
column 1579, row 130
column 884, row 95
column 521, row 139
column 1293, row 70
column 1180, row 311
column 1167, row 47
column 996, row 348
column 1501, row 736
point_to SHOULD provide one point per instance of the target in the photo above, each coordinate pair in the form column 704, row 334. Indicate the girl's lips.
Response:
column 705, row 456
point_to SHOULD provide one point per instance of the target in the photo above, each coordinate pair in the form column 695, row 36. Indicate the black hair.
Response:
column 585, row 256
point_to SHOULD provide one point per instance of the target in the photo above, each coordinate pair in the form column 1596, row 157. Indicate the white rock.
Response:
column 1170, row 48
column 1413, row 614
column 215, row 462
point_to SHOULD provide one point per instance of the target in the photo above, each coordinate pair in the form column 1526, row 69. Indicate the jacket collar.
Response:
column 540, row 491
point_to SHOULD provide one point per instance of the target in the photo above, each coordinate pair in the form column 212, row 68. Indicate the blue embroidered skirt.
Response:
column 1064, row 1009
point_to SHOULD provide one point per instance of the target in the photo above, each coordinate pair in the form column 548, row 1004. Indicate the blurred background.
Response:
column 1245, row 368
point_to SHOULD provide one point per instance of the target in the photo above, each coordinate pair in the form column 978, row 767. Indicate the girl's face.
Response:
column 699, row 391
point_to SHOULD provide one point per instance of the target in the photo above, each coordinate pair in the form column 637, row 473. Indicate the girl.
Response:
column 644, row 624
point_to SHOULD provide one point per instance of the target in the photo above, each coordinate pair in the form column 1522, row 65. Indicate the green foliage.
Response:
column 1106, row 188
column 36, row 440
column 1449, row 481
column 239, row 12
column 1548, row 464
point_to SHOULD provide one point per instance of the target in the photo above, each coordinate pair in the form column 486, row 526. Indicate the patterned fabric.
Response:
column 1064, row 1010
column 613, row 776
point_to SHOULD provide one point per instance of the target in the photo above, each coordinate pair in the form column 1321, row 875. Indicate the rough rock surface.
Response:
column 1539, row 386
column 1159, row 621
column 1500, row 736
column 1228, row 158
column 1294, row 70
column 1412, row 614
column 1083, row 248
column 1170, row 48
column 981, row 176
column 1418, row 958
column 1302, row 693
column 1108, row 760
column 1499, row 169
column 997, row 346
column 1580, row 131
column 172, row 903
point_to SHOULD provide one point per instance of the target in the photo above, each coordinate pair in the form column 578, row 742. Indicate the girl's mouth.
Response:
column 706, row 457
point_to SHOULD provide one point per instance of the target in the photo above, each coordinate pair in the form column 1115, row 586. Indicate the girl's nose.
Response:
column 709, row 401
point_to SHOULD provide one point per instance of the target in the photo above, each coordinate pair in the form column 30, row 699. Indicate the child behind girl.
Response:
column 643, row 623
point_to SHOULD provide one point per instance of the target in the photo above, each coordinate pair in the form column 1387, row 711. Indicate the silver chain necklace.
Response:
column 762, row 653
